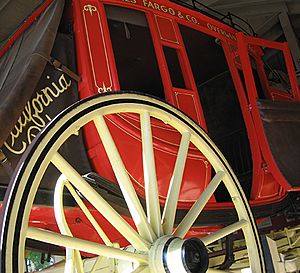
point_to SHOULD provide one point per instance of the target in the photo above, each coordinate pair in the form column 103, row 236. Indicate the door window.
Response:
column 134, row 53
column 276, row 71
column 174, row 67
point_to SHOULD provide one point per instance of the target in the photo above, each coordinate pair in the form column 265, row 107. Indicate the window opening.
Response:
column 276, row 70
column 174, row 67
column 134, row 51
column 220, row 104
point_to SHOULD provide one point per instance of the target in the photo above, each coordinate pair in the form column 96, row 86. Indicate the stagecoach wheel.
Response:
column 154, row 247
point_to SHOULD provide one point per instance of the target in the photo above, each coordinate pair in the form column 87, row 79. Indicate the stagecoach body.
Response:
column 241, row 90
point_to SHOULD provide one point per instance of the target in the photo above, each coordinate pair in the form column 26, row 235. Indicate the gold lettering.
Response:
column 156, row 6
column 180, row 15
column 171, row 11
column 46, row 93
column 17, row 152
column 194, row 20
column 30, row 133
column 57, row 89
column 150, row 5
column 32, row 115
column 63, row 83
column 37, row 106
column 164, row 9
column 46, row 96
column 220, row 31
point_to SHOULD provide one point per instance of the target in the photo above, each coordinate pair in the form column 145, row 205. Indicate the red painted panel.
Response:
column 166, row 29
column 125, row 130
column 96, row 48
column 186, row 101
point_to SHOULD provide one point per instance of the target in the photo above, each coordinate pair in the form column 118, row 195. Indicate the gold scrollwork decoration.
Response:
column 90, row 8
column 104, row 88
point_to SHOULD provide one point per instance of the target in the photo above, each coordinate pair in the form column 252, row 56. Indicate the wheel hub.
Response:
column 172, row 254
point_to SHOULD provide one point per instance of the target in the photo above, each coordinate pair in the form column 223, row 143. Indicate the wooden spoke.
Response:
column 141, row 269
column 198, row 206
column 88, row 214
column 175, row 184
column 97, row 262
column 151, row 189
column 128, row 191
column 54, row 238
column 99, row 203
column 224, row 232
column 73, row 257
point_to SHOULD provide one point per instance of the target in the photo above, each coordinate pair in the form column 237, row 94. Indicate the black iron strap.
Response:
column 59, row 66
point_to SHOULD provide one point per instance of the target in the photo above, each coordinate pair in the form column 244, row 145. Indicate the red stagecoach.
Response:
column 201, row 144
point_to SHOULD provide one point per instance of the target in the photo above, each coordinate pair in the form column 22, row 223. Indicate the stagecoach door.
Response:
column 150, row 58
column 273, row 95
